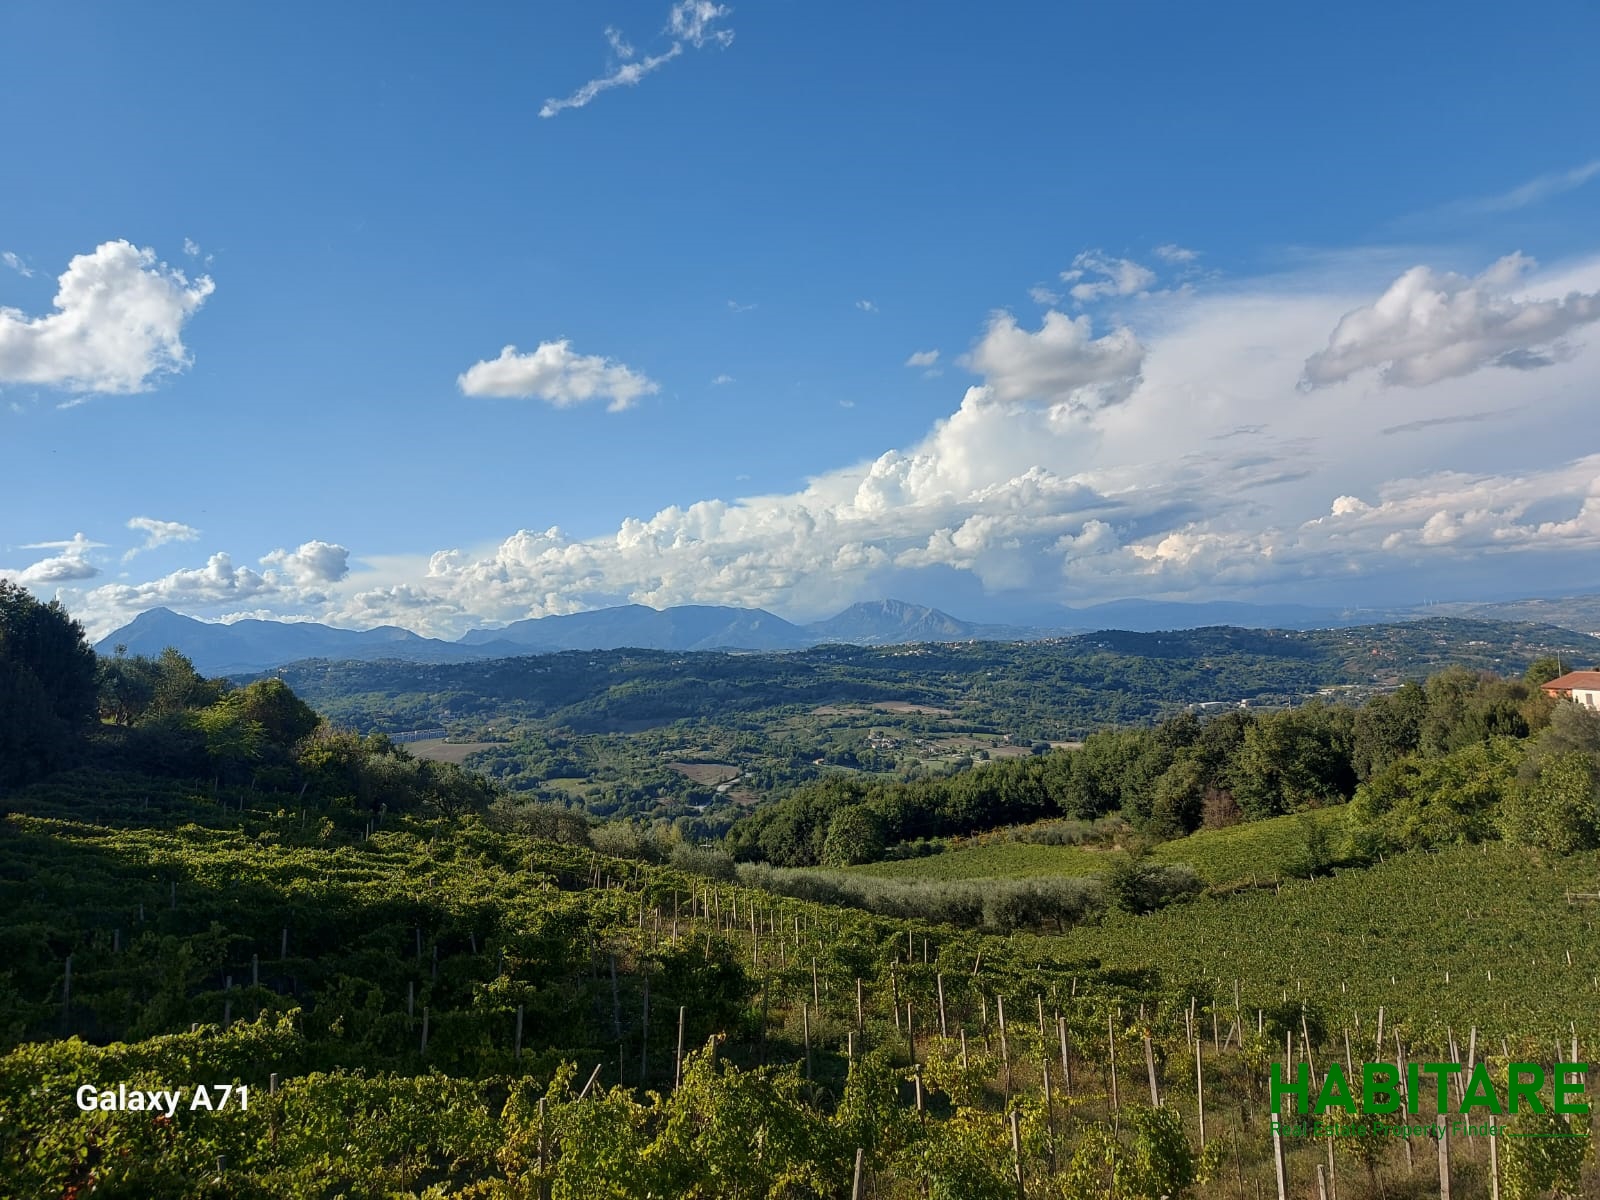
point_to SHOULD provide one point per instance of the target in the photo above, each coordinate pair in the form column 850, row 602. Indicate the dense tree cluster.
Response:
column 1461, row 756
column 60, row 706
column 47, row 685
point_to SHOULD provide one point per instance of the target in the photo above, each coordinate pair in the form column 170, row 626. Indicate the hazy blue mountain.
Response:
column 253, row 645
column 887, row 622
column 686, row 627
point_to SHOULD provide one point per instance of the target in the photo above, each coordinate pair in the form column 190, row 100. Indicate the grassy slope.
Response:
column 1260, row 849
column 1337, row 942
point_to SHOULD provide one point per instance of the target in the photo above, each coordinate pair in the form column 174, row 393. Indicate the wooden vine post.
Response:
column 677, row 1074
column 1016, row 1151
column 1111, row 1070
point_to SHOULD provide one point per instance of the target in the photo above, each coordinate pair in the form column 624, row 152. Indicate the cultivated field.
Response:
column 441, row 750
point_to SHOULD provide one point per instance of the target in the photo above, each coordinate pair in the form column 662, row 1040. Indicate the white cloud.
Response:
column 296, row 585
column 1542, row 188
column 191, row 247
column 693, row 21
column 1118, row 277
column 735, row 306
column 117, row 324
column 1176, row 461
column 1431, row 325
column 159, row 533
column 70, row 565
column 313, row 564
column 619, row 46
column 1063, row 363
column 866, row 306
column 721, row 380
column 1173, row 253
column 16, row 264
column 690, row 23
column 219, row 582
column 923, row 358
column 553, row 372
column 1040, row 294
column 626, row 75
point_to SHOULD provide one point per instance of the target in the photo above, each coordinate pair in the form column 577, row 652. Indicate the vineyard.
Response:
column 426, row 1007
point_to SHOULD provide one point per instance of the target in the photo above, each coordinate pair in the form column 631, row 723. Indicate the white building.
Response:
column 1580, row 686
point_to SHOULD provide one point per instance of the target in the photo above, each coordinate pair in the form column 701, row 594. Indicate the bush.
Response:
column 550, row 822
column 703, row 860
column 1001, row 905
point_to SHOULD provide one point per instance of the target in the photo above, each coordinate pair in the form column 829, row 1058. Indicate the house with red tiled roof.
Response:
column 1583, row 687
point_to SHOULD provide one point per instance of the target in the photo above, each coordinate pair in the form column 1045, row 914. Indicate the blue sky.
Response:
column 1236, row 302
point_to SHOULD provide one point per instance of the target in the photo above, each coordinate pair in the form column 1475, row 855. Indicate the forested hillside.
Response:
column 697, row 738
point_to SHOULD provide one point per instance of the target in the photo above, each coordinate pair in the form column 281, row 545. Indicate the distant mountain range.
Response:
column 254, row 645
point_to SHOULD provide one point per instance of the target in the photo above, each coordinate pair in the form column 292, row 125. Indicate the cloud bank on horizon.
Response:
column 1240, row 438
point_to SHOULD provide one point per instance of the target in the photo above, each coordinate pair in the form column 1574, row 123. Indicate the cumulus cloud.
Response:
column 1082, row 465
column 1040, row 294
column 70, row 564
column 314, row 563
column 218, row 582
column 1063, row 363
column 691, row 23
column 1431, row 325
column 721, row 380
column 1173, row 253
column 117, row 325
column 866, row 306
column 1114, row 277
column 555, row 373
column 923, row 358
column 158, row 533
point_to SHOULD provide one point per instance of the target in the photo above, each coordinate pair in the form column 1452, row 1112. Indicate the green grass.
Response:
column 1257, row 849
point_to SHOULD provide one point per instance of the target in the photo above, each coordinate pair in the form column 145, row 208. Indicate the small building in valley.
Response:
column 1580, row 686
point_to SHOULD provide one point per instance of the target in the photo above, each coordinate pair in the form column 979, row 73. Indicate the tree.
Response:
column 233, row 740
column 1558, row 811
column 285, row 719
column 1416, row 802
column 127, row 687
column 854, row 836
column 178, row 687
column 1293, row 760
column 47, row 685
column 1180, row 796
column 1542, row 670
column 1100, row 770
column 1387, row 728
